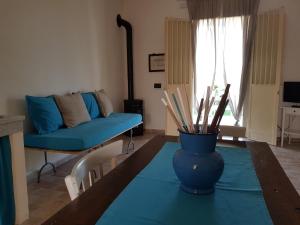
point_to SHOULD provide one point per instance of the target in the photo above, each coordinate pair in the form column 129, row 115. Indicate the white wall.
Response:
column 147, row 19
column 58, row 46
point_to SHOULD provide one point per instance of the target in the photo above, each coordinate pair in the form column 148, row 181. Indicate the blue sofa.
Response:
column 51, row 135
column 86, row 135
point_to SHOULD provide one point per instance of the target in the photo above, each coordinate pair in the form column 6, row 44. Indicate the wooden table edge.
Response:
column 281, row 198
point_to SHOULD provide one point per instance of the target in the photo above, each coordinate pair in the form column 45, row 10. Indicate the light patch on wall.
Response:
column 182, row 4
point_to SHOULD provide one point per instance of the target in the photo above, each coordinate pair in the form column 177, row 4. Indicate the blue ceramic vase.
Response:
column 197, row 165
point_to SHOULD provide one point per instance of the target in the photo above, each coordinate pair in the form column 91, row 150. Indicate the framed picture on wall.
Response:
column 157, row 62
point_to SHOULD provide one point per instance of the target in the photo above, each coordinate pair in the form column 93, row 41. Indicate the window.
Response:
column 219, row 55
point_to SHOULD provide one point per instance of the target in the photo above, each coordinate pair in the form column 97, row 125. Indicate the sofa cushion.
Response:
column 44, row 114
column 91, row 104
column 86, row 135
column 104, row 102
column 72, row 108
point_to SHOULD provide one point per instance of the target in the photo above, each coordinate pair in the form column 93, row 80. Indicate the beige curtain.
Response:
column 213, row 9
column 205, row 9
column 178, row 61
column 266, row 59
column 178, row 54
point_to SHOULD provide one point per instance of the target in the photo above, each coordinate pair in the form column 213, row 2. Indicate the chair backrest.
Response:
column 89, row 169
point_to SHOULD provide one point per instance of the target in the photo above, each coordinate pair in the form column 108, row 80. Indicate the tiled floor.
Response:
column 289, row 159
column 51, row 194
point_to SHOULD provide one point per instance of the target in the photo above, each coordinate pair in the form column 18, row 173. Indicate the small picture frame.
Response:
column 157, row 62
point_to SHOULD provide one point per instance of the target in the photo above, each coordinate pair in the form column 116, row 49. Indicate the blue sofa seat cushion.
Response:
column 86, row 135
column 91, row 104
column 44, row 114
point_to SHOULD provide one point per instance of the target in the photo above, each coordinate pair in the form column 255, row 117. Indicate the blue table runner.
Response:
column 7, row 202
column 153, row 197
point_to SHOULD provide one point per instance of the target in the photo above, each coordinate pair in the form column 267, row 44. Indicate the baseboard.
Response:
column 32, row 176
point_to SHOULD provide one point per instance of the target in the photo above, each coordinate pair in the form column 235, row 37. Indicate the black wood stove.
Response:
column 131, row 105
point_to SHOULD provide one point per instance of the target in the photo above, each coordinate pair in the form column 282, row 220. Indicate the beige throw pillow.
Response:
column 73, row 109
column 104, row 102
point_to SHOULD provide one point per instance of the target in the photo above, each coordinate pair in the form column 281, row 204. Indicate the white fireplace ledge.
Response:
column 12, row 126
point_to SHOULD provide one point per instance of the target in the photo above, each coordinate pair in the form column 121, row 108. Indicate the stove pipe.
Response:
column 128, row 28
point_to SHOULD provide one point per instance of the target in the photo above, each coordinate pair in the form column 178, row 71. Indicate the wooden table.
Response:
column 281, row 197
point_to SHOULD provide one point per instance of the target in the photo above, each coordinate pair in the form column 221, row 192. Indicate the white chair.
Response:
column 89, row 169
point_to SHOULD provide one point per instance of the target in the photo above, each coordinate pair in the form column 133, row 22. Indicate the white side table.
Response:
column 289, row 111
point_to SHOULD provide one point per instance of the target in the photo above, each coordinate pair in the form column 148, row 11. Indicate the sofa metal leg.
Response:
column 130, row 143
column 43, row 166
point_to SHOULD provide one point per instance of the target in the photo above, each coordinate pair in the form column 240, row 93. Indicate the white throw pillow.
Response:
column 73, row 109
column 104, row 102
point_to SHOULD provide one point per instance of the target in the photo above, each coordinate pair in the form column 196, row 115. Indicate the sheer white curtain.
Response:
column 223, row 14
column 219, row 57
column 231, row 32
column 206, row 56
